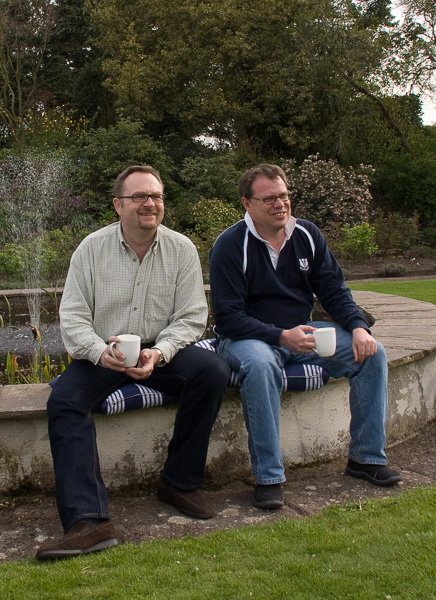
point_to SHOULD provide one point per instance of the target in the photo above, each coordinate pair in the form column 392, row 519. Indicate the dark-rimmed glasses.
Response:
column 284, row 196
column 141, row 197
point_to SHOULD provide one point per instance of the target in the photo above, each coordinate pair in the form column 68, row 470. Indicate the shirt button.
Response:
column 135, row 308
column 139, row 283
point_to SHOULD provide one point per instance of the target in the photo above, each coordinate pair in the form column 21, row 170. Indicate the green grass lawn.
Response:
column 375, row 550
column 420, row 289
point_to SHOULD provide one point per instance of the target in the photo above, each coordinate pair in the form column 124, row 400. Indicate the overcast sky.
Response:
column 429, row 112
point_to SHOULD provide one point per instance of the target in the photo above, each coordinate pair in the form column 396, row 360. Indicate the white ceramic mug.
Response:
column 325, row 340
column 130, row 346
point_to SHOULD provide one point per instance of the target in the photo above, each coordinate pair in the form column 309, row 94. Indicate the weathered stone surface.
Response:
column 21, row 401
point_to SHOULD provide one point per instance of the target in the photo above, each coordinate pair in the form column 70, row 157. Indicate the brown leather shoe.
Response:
column 188, row 502
column 80, row 539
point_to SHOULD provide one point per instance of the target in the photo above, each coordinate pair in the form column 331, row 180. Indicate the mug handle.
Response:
column 111, row 345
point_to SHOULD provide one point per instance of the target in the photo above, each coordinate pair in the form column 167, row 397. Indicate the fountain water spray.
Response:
column 30, row 187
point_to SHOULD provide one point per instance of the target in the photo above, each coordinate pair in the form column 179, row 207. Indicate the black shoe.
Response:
column 376, row 474
column 188, row 502
column 268, row 496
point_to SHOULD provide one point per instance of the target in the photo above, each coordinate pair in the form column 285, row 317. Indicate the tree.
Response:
column 26, row 27
column 277, row 78
column 106, row 152
column 46, row 62
column 418, row 46
column 75, row 65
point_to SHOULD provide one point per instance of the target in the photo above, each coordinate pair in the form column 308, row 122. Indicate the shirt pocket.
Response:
column 159, row 302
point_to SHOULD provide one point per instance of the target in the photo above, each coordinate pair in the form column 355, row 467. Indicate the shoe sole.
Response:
column 269, row 504
column 71, row 553
column 362, row 475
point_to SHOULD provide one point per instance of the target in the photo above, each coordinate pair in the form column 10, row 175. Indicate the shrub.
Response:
column 359, row 242
column 26, row 261
column 69, row 212
column 392, row 270
column 107, row 152
column 408, row 185
column 10, row 263
column 58, row 127
column 328, row 195
column 46, row 257
column 209, row 219
column 213, row 177
column 62, row 243
column 422, row 252
column 396, row 233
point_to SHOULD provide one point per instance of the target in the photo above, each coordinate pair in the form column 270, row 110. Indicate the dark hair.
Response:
column 119, row 182
column 263, row 170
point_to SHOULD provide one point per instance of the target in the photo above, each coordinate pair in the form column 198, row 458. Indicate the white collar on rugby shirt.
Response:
column 289, row 229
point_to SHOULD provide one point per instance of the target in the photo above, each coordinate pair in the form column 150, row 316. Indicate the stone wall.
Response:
column 314, row 425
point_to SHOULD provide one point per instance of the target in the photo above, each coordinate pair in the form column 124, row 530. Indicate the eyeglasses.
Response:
column 284, row 197
column 140, row 197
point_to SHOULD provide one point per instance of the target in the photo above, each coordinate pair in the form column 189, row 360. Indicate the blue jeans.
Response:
column 259, row 366
column 199, row 376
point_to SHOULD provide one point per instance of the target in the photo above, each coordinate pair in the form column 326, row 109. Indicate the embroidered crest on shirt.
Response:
column 304, row 264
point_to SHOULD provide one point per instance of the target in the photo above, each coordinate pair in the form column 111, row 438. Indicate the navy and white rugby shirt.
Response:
column 251, row 299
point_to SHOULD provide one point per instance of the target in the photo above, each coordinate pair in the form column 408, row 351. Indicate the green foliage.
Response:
column 14, row 258
column 209, row 219
column 59, row 127
column 207, row 68
column 107, row 152
column 212, row 217
column 358, row 242
column 409, row 186
column 35, row 194
column 417, row 44
column 392, row 270
column 330, row 196
column 52, row 250
column 366, row 136
column 11, row 370
column 26, row 29
column 75, row 70
column 40, row 368
column 33, row 199
column 62, row 243
column 10, row 263
column 395, row 233
column 215, row 176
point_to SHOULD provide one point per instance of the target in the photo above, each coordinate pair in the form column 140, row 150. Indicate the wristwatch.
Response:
column 161, row 360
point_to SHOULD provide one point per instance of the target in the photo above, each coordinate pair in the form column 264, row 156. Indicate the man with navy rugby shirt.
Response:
column 264, row 271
